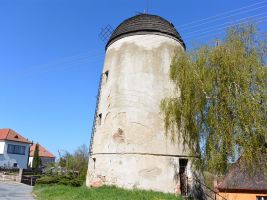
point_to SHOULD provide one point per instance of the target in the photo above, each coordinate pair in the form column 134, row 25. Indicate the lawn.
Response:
column 61, row 192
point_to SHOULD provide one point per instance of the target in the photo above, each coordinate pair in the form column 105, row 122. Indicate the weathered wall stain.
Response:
column 151, row 173
column 119, row 136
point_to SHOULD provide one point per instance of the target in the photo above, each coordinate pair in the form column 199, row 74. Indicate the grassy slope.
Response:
column 60, row 192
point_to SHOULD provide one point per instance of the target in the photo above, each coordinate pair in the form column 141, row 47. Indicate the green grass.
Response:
column 61, row 192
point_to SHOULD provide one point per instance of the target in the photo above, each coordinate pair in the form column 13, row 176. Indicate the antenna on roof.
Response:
column 145, row 10
column 147, row 6
column 105, row 33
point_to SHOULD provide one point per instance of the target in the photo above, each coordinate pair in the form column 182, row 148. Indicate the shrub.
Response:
column 76, row 162
column 48, row 180
column 60, row 180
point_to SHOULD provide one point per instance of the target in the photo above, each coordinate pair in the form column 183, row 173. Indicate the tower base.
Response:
column 139, row 170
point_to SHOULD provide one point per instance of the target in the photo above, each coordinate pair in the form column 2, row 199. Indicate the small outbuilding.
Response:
column 45, row 155
column 242, row 183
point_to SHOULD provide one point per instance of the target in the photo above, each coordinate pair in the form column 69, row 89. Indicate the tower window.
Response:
column 99, row 119
column 106, row 76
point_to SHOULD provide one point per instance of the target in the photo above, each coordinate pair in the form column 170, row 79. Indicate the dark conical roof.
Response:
column 145, row 24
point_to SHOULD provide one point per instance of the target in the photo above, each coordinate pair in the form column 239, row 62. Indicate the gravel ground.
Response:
column 15, row 191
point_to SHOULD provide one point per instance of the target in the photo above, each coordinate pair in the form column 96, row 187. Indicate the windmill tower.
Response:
column 129, row 147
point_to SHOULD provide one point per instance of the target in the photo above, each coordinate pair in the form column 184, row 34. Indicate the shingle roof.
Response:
column 42, row 151
column 9, row 134
column 240, row 178
column 145, row 24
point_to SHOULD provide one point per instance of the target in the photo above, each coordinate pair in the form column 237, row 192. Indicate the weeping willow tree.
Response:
column 219, row 110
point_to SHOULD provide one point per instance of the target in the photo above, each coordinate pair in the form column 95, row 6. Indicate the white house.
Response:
column 46, row 156
column 14, row 149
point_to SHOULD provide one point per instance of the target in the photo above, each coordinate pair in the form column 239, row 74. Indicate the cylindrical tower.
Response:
column 129, row 146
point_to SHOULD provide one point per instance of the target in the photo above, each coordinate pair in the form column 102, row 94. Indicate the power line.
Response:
column 200, row 24
column 225, row 27
column 206, row 35
column 221, row 14
column 242, row 8
column 231, row 22
column 81, row 58
column 209, row 30
column 62, row 64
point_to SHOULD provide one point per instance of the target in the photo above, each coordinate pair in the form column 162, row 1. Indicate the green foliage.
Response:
column 61, row 192
column 60, row 180
column 37, row 162
column 48, row 180
column 220, row 107
column 62, row 162
column 78, row 161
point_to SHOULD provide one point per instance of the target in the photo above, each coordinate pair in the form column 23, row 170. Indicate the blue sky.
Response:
column 51, row 57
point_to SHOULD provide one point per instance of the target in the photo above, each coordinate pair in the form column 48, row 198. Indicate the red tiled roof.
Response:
column 9, row 134
column 42, row 151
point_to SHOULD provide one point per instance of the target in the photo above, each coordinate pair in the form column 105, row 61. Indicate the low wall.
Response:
column 6, row 175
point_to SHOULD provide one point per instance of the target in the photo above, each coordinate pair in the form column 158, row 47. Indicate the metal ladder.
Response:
column 95, row 116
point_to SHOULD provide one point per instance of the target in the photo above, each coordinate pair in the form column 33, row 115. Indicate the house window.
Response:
column 16, row 149
column 261, row 198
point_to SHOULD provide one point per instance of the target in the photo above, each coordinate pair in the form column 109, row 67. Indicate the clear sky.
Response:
column 51, row 57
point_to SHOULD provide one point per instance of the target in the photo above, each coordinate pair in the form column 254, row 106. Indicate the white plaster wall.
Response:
column 30, row 161
column 137, row 171
column 2, row 146
column 9, row 159
column 130, row 145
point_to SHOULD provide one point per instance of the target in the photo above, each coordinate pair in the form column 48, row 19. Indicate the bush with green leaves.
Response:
column 76, row 162
column 60, row 180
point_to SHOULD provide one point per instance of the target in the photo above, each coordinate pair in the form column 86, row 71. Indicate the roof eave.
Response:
column 144, row 32
column 16, row 141
column 243, row 190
